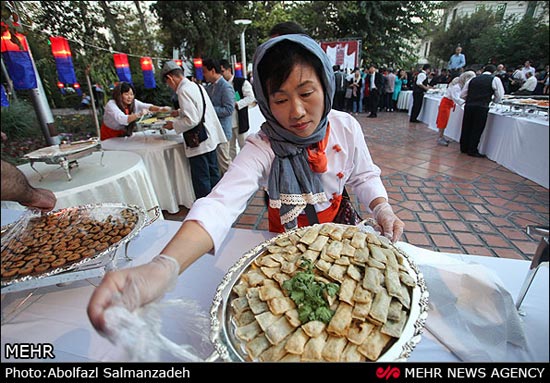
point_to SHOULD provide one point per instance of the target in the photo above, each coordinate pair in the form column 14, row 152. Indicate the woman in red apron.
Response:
column 123, row 110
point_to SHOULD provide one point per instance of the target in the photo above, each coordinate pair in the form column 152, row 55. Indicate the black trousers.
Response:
column 473, row 125
column 418, row 97
column 374, row 99
column 339, row 100
column 204, row 173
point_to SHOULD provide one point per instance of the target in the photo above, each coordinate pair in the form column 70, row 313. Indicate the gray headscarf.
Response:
column 292, row 184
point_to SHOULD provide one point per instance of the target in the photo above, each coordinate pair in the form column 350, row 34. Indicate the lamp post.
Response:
column 244, row 22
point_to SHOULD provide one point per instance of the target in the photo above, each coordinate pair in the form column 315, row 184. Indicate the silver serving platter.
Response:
column 55, row 153
column 100, row 259
column 65, row 155
column 230, row 349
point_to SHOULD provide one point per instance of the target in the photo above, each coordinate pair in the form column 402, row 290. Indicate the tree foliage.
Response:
column 387, row 28
column 487, row 39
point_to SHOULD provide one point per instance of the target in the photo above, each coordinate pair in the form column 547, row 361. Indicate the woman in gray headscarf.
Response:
column 305, row 153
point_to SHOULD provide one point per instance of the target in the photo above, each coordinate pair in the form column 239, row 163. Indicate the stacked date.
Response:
column 59, row 240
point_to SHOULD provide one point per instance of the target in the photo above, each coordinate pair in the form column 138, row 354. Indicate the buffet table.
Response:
column 520, row 144
column 165, row 159
column 62, row 310
column 119, row 177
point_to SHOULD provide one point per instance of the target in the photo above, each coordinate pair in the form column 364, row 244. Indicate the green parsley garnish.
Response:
column 307, row 293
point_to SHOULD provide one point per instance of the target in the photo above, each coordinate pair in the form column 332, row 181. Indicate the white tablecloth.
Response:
column 166, row 162
column 57, row 315
column 123, row 178
column 519, row 144
column 404, row 101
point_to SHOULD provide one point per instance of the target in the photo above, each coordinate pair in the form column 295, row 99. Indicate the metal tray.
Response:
column 229, row 348
column 53, row 154
column 65, row 155
column 100, row 259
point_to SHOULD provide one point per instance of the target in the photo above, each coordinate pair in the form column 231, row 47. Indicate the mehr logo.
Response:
column 389, row 372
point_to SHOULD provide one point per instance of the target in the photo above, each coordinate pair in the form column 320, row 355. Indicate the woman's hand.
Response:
column 132, row 288
column 392, row 227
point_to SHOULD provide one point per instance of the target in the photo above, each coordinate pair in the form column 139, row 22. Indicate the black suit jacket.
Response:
column 377, row 81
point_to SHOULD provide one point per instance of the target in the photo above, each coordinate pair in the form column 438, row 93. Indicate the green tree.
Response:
column 388, row 29
column 485, row 38
column 200, row 28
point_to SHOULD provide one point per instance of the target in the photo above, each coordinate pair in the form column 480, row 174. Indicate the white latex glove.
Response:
column 391, row 226
column 132, row 287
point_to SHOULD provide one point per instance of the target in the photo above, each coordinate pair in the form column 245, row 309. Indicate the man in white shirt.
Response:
column 529, row 85
column 191, row 98
column 478, row 93
column 419, row 88
column 527, row 68
column 244, row 99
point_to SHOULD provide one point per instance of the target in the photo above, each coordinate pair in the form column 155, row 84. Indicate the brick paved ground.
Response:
column 450, row 202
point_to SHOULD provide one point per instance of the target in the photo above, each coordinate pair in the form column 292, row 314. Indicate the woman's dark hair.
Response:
column 120, row 88
column 279, row 61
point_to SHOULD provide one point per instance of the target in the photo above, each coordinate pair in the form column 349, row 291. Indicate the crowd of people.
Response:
column 309, row 149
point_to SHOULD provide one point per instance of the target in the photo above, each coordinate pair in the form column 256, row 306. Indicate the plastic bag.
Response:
column 472, row 313
column 139, row 332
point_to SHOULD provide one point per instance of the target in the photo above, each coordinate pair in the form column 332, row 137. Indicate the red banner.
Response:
column 347, row 54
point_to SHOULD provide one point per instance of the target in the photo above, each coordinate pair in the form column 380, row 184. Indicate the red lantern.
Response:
column 148, row 75
column 8, row 45
column 60, row 47
column 121, row 60
column 239, row 70
column 146, row 63
column 179, row 62
column 76, row 85
column 122, row 67
column 60, row 85
column 197, row 63
column 18, row 61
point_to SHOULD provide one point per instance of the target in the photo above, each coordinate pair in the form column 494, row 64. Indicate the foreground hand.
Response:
column 165, row 109
column 168, row 125
column 392, row 227
column 41, row 199
column 132, row 288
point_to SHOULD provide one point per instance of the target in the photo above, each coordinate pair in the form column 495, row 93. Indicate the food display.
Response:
column 154, row 121
column 327, row 292
column 527, row 103
column 45, row 245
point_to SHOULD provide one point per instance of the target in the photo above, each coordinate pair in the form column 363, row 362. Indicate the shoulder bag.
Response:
column 198, row 134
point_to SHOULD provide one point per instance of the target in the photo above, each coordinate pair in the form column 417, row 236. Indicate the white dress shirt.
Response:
column 530, row 84
column 249, row 171
column 116, row 119
column 453, row 93
column 420, row 78
column 244, row 102
column 190, row 114
column 498, row 88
